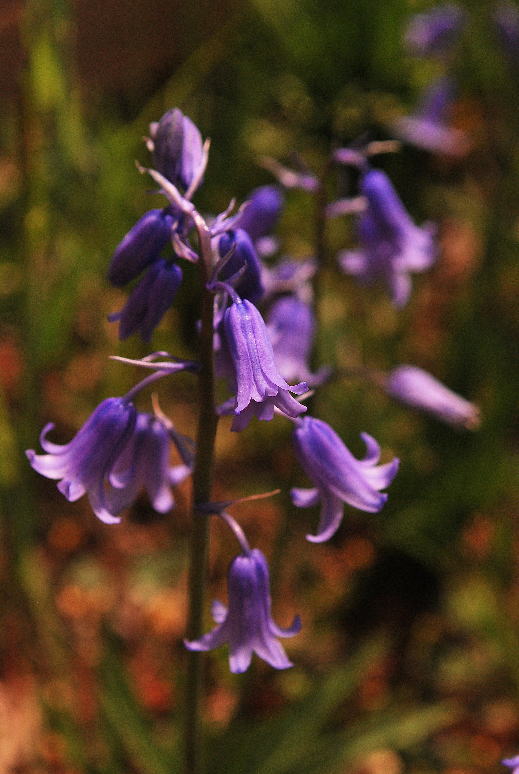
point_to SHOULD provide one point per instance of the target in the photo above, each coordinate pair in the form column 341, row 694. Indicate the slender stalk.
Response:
column 202, row 481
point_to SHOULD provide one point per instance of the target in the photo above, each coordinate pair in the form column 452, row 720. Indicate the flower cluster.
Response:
column 262, row 333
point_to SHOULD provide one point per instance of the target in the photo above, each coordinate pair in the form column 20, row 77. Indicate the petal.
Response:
column 290, row 631
column 332, row 511
column 218, row 611
column 353, row 262
column 271, row 651
column 304, row 498
column 240, row 658
column 212, row 639
column 72, row 490
column 372, row 450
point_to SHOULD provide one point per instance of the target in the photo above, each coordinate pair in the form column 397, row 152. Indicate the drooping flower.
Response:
column 429, row 127
column 512, row 763
column 243, row 256
column 259, row 386
column 83, row 466
column 261, row 214
column 338, row 476
column 392, row 246
column 246, row 624
column 178, row 151
column 291, row 326
column 141, row 246
column 434, row 32
column 419, row 389
column 144, row 464
column 149, row 300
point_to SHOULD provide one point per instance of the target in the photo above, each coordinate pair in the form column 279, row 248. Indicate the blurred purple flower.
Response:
column 428, row 128
column 338, row 476
column 84, row 465
column 512, row 763
column 177, row 147
column 246, row 624
column 259, row 386
column 415, row 387
column 244, row 255
column 391, row 244
column 434, row 32
column 291, row 327
column 149, row 300
column 141, row 246
column 261, row 214
column 144, row 464
column 506, row 17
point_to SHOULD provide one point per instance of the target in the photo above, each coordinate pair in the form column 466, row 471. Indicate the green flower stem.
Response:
column 202, row 481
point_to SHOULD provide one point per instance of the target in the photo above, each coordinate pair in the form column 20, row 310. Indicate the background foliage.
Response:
column 408, row 660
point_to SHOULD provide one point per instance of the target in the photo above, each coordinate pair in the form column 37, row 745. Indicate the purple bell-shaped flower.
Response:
column 149, row 300
column 291, row 327
column 244, row 256
column 429, row 127
column 140, row 247
column 392, row 246
column 246, row 625
column 417, row 388
column 261, row 214
column 178, row 151
column 338, row 476
column 259, row 386
column 84, row 465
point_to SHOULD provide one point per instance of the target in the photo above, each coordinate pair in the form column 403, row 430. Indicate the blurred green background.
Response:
column 408, row 660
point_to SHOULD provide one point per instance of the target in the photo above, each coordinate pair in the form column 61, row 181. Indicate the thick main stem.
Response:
column 202, row 481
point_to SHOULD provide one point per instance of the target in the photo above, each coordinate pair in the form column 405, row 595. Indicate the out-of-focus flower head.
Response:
column 243, row 256
column 429, row 127
column 178, row 151
column 246, row 624
column 291, row 326
column 260, row 215
column 149, row 300
column 338, row 476
column 144, row 464
column 392, row 246
column 259, row 386
column 417, row 388
column 85, row 463
column 435, row 32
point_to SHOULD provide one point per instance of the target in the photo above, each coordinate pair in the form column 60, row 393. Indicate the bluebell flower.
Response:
column 291, row 327
column 338, row 476
column 244, row 255
column 246, row 625
column 429, row 127
column 434, row 32
column 259, row 386
column 144, row 464
column 141, row 246
column 392, row 246
column 178, row 151
column 417, row 388
column 84, row 465
column 149, row 300
column 261, row 214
